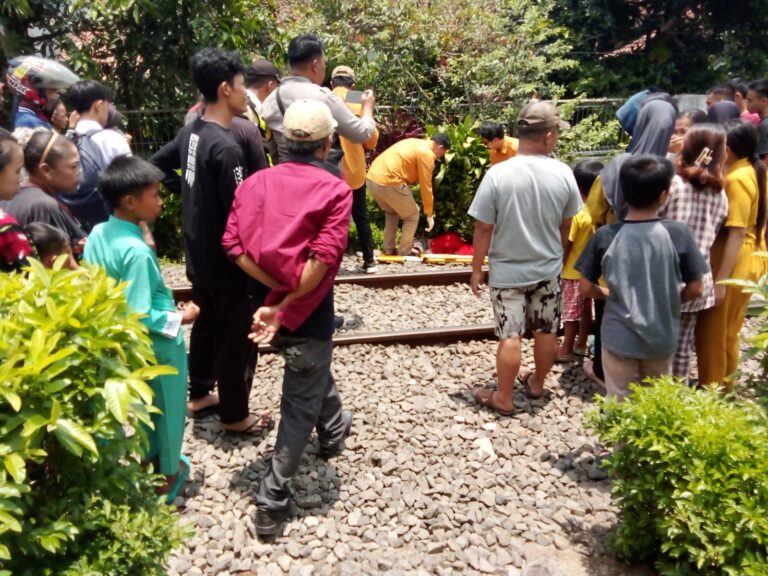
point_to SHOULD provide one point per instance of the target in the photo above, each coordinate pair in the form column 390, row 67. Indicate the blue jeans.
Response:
column 310, row 400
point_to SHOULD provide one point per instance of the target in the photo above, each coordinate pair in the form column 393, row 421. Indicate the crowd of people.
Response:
column 270, row 171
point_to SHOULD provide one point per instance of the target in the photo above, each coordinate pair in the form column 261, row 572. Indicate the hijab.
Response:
column 723, row 111
column 653, row 129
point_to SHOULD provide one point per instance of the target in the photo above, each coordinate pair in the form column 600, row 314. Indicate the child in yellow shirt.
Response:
column 577, row 310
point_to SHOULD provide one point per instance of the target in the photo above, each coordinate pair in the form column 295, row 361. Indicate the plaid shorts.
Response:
column 534, row 308
column 573, row 302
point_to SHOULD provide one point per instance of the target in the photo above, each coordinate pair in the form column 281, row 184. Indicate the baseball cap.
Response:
column 262, row 67
column 343, row 71
column 539, row 116
column 308, row 121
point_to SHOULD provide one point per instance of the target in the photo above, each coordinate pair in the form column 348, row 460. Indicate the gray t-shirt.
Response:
column 644, row 263
column 526, row 198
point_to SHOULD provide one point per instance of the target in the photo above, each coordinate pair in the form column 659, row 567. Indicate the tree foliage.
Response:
column 676, row 45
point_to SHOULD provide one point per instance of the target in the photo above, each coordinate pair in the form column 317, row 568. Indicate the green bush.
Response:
column 167, row 229
column 72, row 381
column 689, row 476
column 458, row 176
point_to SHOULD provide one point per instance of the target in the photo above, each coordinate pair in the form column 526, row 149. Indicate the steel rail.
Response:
column 415, row 337
column 430, row 278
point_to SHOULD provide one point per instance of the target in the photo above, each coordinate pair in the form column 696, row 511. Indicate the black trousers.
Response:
column 220, row 352
column 362, row 223
column 597, row 365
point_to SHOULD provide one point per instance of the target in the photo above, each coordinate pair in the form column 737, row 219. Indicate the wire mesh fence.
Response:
column 151, row 129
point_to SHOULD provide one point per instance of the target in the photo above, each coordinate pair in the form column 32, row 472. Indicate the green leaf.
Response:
column 74, row 437
column 16, row 467
column 118, row 399
column 33, row 424
column 10, row 396
column 9, row 521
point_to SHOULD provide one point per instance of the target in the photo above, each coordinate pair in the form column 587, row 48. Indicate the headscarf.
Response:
column 723, row 111
column 653, row 129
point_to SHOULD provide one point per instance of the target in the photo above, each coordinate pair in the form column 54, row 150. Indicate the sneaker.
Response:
column 269, row 523
column 334, row 449
column 370, row 267
column 338, row 322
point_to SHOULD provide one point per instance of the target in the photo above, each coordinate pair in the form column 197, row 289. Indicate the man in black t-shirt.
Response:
column 212, row 167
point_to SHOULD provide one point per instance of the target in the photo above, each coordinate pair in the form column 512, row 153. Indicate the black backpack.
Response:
column 87, row 204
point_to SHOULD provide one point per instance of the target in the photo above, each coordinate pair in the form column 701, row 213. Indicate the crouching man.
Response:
column 288, row 230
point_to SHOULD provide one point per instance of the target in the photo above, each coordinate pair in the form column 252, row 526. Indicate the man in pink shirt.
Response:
column 288, row 230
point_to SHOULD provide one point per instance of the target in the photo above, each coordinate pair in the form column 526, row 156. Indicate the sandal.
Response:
column 260, row 424
column 522, row 379
column 484, row 397
column 581, row 351
column 181, row 478
column 563, row 359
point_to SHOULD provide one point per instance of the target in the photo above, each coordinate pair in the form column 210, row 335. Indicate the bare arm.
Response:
column 730, row 256
column 249, row 266
column 481, row 242
column 565, row 232
column 266, row 320
column 692, row 290
column 589, row 289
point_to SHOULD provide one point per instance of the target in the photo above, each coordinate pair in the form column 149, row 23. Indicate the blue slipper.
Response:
column 180, row 480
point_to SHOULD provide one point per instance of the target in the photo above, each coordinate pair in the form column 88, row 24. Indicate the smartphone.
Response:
column 354, row 97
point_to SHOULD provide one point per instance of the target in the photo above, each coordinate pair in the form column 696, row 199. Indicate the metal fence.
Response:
column 151, row 129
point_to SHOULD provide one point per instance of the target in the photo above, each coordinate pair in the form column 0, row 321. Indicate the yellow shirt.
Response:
column 353, row 162
column 742, row 191
column 406, row 162
column 599, row 209
column 581, row 231
column 507, row 150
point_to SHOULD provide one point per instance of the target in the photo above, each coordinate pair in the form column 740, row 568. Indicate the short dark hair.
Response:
column 442, row 140
column 490, row 131
column 724, row 91
column 303, row 148
column 586, row 172
column 738, row 85
column 345, row 81
column 7, row 145
column 35, row 149
column 257, row 80
column 760, row 86
column 303, row 49
column 212, row 66
column 127, row 175
column 81, row 95
column 46, row 239
column 645, row 177
column 695, row 115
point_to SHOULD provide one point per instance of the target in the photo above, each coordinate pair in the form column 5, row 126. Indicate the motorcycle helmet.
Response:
column 29, row 77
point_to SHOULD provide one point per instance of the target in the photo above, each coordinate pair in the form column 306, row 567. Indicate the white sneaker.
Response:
column 370, row 267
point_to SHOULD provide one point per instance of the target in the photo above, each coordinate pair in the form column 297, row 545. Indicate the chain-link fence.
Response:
column 151, row 129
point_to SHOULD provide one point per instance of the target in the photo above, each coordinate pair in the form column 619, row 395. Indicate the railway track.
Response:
column 436, row 278
column 412, row 337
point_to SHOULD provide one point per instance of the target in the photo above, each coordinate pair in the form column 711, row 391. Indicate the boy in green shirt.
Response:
column 130, row 186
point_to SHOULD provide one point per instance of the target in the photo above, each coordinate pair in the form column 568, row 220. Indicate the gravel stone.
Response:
column 429, row 482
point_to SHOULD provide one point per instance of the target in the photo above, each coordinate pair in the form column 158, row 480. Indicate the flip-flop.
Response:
column 580, row 351
column 181, row 478
column 263, row 422
column 565, row 359
column 484, row 397
column 522, row 379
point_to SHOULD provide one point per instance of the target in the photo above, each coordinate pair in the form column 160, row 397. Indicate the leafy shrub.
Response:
column 167, row 229
column 458, row 176
column 72, row 381
column 689, row 476
column 758, row 342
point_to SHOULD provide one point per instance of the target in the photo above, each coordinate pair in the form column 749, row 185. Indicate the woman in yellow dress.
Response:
column 717, row 329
